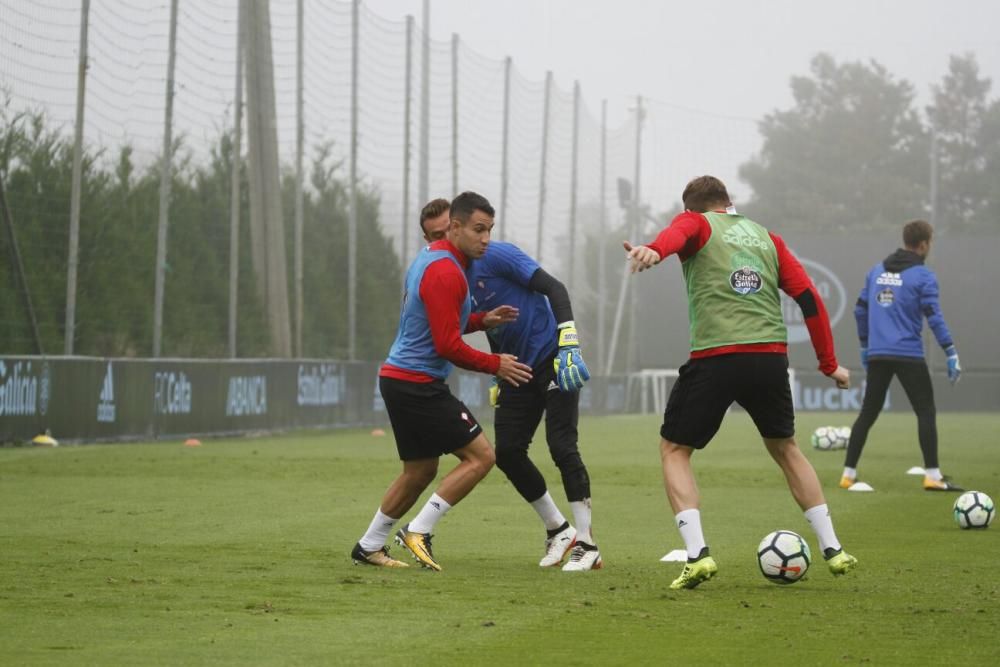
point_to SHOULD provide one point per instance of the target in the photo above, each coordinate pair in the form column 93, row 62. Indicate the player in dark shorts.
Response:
column 734, row 269
column 427, row 420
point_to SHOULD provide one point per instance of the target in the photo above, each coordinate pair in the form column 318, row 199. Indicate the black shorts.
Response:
column 707, row 387
column 426, row 418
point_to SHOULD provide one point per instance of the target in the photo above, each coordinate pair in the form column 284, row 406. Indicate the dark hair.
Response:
column 916, row 231
column 704, row 194
column 467, row 203
column 433, row 209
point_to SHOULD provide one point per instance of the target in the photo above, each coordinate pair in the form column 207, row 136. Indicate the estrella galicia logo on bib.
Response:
column 745, row 280
column 885, row 298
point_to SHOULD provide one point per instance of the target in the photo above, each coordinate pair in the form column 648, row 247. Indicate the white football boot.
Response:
column 557, row 546
column 583, row 557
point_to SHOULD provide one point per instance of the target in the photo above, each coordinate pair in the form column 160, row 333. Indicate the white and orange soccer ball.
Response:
column 783, row 557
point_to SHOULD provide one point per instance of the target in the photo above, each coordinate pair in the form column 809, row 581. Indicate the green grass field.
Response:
column 237, row 553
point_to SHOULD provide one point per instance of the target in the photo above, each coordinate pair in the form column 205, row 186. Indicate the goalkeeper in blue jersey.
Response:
column 544, row 337
column 898, row 294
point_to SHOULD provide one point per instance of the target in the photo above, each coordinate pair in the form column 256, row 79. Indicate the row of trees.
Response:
column 855, row 152
column 119, row 206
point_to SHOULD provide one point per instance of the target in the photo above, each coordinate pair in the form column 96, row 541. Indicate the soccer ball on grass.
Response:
column 826, row 438
column 783, row 557
column 974, row 509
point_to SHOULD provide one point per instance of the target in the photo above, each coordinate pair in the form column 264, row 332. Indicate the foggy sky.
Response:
column 713, row 53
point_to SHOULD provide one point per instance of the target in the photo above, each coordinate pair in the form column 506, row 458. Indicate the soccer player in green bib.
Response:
column 733, row 269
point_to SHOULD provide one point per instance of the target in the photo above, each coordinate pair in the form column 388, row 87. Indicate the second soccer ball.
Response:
column 824, row 438
column 974, row 509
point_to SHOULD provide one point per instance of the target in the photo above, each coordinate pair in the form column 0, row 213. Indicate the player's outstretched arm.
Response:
column 685, row 235
column 641, row 257
column 512, row 370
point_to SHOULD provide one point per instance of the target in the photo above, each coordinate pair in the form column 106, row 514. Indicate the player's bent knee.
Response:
column 480, row 453
column 569, row 462
column 488, row 459
column 510, row 458
column 420, row 473
column 671, row 449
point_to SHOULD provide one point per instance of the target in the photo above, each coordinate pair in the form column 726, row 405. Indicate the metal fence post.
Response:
column 234, row 180
column 505, row 150
column 635, row 230
column 602, row 236
column 454, row 114
column 352, row 221
column 425, row 105
column 165, row 176
column 74, row 206
column 573, row 185
column 404, row 239
column 299, row 136
column 544, row 165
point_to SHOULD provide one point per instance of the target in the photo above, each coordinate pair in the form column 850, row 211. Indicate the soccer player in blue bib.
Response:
column 427, row 420
column 899, row 292
column 544, row 337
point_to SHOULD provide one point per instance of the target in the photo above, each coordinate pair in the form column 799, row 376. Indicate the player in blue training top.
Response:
column 544, row 337
column 898, row 294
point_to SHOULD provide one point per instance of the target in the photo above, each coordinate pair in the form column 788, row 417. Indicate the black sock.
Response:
column 556, row 531
column 701, row 554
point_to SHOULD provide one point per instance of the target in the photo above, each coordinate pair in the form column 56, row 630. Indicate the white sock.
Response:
column 428, row 517
column 934, row 473
column 689, row 523
column 581, row 516
column 548, row 512
column 378, row 531
column 851, row 473
column 819, row 518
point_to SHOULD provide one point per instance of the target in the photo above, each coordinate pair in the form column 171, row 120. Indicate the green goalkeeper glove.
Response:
column 571, row 371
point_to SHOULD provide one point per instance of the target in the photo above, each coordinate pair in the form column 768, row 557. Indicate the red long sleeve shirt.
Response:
column 690, row 231
column 443, row 289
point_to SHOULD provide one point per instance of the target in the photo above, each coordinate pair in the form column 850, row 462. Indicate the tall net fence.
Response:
column 388, row 119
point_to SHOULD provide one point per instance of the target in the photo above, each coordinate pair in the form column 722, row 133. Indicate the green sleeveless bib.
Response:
column 732, row 286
